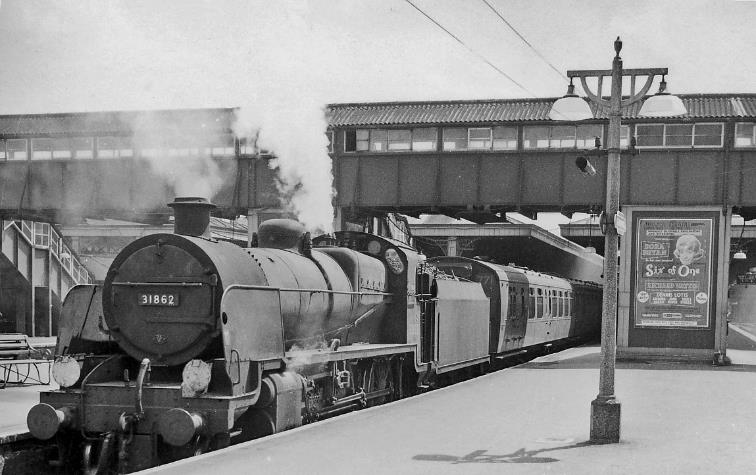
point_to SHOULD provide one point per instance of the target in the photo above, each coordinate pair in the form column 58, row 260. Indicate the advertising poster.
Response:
column 673, row 277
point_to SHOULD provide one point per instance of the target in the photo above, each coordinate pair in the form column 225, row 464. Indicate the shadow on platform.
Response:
column 518, row 456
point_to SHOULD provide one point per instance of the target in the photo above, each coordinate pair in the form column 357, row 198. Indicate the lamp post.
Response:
column 605, row 409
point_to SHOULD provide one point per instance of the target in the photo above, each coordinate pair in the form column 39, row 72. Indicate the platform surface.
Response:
column 677, row 418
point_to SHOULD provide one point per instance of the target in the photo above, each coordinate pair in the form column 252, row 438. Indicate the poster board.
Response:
column 672, row 294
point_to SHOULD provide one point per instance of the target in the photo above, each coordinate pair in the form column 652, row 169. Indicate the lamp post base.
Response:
column 605, row 421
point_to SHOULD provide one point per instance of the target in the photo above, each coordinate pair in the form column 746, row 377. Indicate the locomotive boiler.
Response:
column 192, row 344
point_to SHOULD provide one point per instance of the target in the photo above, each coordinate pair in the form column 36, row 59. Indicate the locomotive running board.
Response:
column 355, row 351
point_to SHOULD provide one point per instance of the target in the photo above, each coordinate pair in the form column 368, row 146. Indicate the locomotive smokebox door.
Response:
column 165, row 314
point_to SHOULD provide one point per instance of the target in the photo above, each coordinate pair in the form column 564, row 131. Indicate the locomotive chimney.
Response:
column 192, row 216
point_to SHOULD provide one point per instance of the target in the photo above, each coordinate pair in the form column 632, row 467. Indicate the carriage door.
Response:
column 427, row 302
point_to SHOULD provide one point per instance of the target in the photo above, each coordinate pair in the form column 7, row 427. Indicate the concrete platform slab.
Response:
column 677, row 418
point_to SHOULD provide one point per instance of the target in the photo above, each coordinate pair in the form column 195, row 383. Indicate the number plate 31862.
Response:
column 159, row 300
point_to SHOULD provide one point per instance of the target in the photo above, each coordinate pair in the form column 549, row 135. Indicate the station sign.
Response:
column 673, row 278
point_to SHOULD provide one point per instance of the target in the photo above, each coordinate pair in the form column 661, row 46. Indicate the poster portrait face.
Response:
column 688, row 249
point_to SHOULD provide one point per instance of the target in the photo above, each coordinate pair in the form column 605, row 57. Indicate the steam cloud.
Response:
column 277, row 61
column 304, row 168
column 189, row 174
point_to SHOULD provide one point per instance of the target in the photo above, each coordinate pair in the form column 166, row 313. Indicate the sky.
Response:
column 84, row 55
column 282, row 61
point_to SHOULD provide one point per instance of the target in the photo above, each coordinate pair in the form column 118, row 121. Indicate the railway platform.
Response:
column 677, row 418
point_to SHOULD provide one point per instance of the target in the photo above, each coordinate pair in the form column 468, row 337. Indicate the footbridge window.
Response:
column 83, row 147
column 391, row 140
column 700, row 135
column 745, row 134
column 114, row 147
column 480, row 138
column 561, row 136
column 16, row 149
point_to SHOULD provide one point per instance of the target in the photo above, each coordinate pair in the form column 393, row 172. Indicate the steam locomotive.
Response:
column 192, row 344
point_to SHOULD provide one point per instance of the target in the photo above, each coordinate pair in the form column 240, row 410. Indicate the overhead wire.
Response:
column 480, row 56
column 562, row 75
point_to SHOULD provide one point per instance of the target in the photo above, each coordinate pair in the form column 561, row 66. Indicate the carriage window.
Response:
column 568, row 301
column 523, row 304
column 540, row 300
column 532, row 306
column 512, row 301
column 554, row 304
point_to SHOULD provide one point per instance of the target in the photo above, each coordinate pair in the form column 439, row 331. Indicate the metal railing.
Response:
column 44, row 236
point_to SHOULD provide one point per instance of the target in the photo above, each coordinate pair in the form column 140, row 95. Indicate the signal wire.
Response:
column 480, row 56
column 562, row 75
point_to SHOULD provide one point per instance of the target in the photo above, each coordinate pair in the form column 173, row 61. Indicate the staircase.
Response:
column 37, row 269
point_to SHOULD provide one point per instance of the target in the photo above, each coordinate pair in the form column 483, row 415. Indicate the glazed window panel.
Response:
column 568, row 302
column 62, row 148
column 540, row 303
column 399, row 140
column 678, row 135
column 83, row 147
column 708, row 135
column 624, row 136
column 378, row 140
column 479, row 138
column 42, row 149
column 455, row 139
column 425, row 139
column 745, row 135
column 554, row 304
column 114, row 147
column 3, row 155
column 562, row 136
column 505, row 138
column 532, row 306
column 221, row 146
column 651, row 135
column 535, row 137
column 587, row 135
column 362, row 140
column 16, row 149
column 248, row 146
